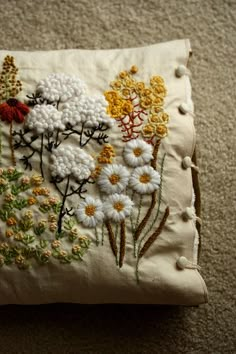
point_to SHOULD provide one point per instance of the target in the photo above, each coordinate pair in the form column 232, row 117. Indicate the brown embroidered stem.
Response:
column 111, row 238
column 122, row 243
column 146, row 217
column 154, row 236
column 155, row 151
column 154, row 195
column 13, row 159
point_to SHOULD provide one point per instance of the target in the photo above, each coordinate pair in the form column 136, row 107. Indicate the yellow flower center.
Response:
column 90, row 210
column 114, row 179
column 118, row 206
column 144, row 178
column 137, row 152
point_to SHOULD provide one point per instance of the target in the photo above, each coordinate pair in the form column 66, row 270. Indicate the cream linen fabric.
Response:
column 97, row 279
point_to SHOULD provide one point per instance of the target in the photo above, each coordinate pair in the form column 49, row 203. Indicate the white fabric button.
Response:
column 182, row 262
column 188, row 214
column 187, row 162
column 181, row 71
column 184, row 108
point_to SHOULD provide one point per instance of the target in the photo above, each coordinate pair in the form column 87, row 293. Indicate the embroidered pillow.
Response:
column 99, row 200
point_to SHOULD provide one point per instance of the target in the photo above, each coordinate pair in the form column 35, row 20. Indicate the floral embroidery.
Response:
column 113, row 179
column 107, row 154
column 10, row 108
column 144, row 180
column 62, row 123
column 137, row 153
column 138, row 108
column 45, row 118
column 28, row 228
column 90, row 212
column 51, row 122
column 61, row 87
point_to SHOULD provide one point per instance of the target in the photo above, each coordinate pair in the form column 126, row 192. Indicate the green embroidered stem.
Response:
column 96, row 235
column 59, row 225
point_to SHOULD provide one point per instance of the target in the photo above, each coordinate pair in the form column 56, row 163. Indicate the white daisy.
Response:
column 61, row 87
column 89, row 212
column 44, row 118
column 113, row 179
column 117, row 207
column 90, row 110
column 144, row 180
column 71, row 160
column 137, row 153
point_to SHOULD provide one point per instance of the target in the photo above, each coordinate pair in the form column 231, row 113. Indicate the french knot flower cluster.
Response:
column 71, row 160
column 61, row 87
column 44, row 118
column 88, row 110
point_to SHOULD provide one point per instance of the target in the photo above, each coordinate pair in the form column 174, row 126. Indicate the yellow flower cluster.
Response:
column 118, row 106
column 150, row 99
column 41, row 191
column 105, row 156
column 156, row 125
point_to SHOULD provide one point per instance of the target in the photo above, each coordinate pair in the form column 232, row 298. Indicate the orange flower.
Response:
column 9, row 233
column 32, row 200
column 11, row 221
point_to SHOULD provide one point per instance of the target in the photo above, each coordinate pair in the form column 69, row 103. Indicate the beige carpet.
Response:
column 211, row 26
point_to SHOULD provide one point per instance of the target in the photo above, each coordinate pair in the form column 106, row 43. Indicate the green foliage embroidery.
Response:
column 30, row 215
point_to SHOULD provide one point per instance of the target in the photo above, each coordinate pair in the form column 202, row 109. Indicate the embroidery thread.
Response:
column 33, row 231
column 138, row 108
column 11, row 109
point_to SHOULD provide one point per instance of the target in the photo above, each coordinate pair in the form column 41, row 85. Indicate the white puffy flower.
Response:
column 61, row 87
column 117, row 207
column 71, row 160
column 137, row 153
column 113, row 178
column 90, row 110
column 44, row 118
column 90, row 212
column 144, row 180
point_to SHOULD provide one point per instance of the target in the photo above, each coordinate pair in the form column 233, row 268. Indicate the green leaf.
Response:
column 20, row 203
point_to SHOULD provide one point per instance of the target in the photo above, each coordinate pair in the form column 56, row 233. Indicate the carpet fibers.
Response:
column 211, row 27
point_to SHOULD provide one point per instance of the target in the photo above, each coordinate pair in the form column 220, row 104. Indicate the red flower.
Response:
column 13, row 109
